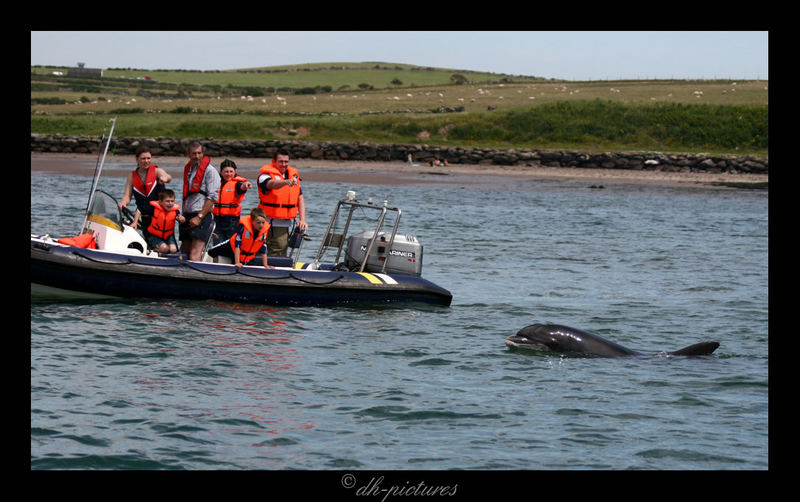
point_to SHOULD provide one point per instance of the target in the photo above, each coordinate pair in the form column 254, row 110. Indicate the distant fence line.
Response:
column 670, row 162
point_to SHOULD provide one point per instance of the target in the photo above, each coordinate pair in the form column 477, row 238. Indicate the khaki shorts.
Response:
column 277, row 241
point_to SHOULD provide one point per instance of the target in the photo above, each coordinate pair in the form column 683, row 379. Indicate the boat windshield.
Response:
column 105, row 210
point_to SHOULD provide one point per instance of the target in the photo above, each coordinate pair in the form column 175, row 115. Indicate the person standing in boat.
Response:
column 200, row 191
column 144, row 183
column 228, row 208
column 281, row 198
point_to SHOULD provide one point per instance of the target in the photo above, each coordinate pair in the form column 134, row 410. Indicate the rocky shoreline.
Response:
column 357, row 151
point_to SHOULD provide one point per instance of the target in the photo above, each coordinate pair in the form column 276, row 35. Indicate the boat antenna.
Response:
column 97, row 170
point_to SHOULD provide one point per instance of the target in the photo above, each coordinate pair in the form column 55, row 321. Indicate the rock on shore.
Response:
column 653, row 161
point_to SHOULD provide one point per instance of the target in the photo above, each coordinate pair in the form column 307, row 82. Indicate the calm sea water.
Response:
column 208, row 385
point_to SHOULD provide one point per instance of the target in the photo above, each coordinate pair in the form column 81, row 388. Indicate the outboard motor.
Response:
column 404, row 257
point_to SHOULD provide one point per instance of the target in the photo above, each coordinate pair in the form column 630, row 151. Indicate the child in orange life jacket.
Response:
column 250, row 238
column 228, row 208
column 161, row 232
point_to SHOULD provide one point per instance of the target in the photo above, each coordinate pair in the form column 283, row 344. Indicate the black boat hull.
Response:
column 92, row 272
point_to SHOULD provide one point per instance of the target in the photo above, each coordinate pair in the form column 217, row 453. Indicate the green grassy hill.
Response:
column 376, row 75
column 387, row 102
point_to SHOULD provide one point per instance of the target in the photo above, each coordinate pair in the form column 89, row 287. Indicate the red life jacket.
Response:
column 85, row 241
column 146, row 188
column 229, row 203
column 197, row 181
column 250, row 243
column 145, row 192
column 280, row 202
column 163, row 223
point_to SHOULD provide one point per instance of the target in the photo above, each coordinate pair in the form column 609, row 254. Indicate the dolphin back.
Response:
column 698, row 349
column 567, row 340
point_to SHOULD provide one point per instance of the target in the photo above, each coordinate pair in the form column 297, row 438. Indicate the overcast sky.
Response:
column 580, row 55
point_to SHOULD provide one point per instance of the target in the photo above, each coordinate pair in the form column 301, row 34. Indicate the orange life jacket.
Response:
column 251, row 243
column 280, row 202
column 85, row 241
column 229, row 203
column 163, row 223
column 197, row 181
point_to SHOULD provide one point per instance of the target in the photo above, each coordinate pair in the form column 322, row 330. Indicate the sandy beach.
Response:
column 389, row 173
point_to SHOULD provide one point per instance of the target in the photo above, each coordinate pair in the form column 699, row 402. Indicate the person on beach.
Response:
column 201, row 184
column 281, row 198
column 228, row 208
column 161, row 231
column 436, row 162
column 144, row 183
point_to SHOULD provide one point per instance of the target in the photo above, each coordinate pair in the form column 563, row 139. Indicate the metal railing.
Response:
column 338, row 240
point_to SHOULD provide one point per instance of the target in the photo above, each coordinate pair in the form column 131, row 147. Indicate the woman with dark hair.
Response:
column 228, row 208
column 144, row 184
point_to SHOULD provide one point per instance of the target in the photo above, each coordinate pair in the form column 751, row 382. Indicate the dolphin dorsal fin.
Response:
column 698, row 349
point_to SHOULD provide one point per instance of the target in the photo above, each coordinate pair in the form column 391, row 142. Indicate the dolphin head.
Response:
column 538, row 337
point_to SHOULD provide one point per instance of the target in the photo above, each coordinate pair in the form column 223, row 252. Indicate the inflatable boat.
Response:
column 109, row 259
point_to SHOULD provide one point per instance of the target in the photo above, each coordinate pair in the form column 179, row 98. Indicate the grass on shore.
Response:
column 686, row 116
column 571, row 125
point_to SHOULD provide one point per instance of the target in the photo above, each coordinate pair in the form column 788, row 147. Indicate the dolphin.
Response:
column 572, row 341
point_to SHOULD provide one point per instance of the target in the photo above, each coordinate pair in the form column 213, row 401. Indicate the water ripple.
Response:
column 139, row 384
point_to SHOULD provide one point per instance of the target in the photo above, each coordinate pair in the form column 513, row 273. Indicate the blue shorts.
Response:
column 226, row 227
column 201, row 232
column 154, row 242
